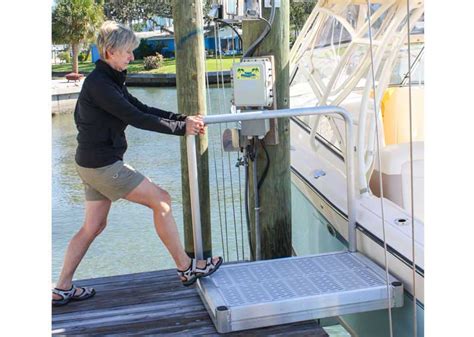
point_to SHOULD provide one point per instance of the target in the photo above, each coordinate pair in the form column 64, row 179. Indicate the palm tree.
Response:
column 75, row 22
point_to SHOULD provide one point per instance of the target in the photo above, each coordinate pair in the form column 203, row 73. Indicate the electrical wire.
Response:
column 250, row 51
column 264, row 34
column 267, row 165
column 269, row 25
column 233, row 28
column 247, row 156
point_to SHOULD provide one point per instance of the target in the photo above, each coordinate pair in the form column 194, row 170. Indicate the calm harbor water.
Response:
column 129, row 243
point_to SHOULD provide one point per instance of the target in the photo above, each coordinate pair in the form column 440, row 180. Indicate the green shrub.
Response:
column 84, row 56
column 65, row 56
column 153, row 62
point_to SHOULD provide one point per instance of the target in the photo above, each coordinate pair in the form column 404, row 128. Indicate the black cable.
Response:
column 233, row 28
column 247, row 214
column 259, row 40
column 267, row 165
column 267, row 22
column 262, row 37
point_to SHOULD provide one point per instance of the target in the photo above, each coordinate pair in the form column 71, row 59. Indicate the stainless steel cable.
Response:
column 218, row 48
column 411, row 175
column 213, row 153
column 380, row 169
column 221, row 71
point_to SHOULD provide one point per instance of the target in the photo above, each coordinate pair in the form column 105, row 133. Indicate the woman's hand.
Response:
column 194, row 125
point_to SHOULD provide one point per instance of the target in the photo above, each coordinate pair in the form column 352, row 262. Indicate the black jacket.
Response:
column 103, row 111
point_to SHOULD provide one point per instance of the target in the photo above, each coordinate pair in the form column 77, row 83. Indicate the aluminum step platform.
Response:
column 271, row 292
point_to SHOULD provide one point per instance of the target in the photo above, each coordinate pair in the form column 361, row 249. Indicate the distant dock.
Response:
column 64, row 94
column 151, row 303
column 169, row 80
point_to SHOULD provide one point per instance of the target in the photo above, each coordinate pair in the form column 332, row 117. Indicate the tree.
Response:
column 127, row 11
column 75, row 22
column 299, row 12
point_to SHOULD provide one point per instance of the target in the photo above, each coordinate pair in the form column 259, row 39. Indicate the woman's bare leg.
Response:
column 95, row 221
column 156, row 198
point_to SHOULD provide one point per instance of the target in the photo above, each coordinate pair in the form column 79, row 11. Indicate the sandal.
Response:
column 188, row 274
column 69, row 295
column 209, row 268
column 194, row 272
column 84, row 295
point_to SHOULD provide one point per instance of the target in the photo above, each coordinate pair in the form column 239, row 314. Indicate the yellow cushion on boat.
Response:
column 396, row 114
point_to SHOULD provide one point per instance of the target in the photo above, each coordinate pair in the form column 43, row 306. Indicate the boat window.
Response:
column 334, row 69
column 400, row 70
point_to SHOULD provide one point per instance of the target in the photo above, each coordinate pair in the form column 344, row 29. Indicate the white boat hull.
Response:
column 328, row 195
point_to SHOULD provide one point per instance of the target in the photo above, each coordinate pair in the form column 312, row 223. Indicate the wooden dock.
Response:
column 151, row 303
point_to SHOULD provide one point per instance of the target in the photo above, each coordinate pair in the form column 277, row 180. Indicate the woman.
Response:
column 103, row 111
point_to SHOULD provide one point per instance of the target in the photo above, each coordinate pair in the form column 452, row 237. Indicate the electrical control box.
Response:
column 241, row 9
column 253, row 82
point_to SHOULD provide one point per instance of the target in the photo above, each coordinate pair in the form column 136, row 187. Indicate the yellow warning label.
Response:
column 248, row 73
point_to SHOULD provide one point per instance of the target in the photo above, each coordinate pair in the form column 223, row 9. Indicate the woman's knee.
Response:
column 95, row 219
column 161, row 200
column 165, row 197
column 93, row 229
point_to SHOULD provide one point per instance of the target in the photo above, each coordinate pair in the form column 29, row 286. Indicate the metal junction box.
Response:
column 242, row 9
column 253, row 88
column 253, row 82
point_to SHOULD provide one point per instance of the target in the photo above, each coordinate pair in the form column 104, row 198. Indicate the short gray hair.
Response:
column 114, row 36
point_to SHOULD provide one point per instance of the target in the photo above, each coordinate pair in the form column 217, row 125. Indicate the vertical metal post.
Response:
column 258, row 239
column 350, row 176
column 194, row 196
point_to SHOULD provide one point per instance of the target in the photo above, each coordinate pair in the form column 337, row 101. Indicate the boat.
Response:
column 355, row 54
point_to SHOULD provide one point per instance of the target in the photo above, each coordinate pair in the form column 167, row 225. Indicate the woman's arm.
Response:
column 154, row 111
column 109, row 97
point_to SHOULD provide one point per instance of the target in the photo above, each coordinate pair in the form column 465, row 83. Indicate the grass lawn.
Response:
column 168, row 67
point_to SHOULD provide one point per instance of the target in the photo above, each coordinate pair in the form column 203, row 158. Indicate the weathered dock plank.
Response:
column 150, row 303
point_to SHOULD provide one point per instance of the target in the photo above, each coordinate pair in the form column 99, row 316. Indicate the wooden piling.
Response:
column 191, row 93
column 275, row 193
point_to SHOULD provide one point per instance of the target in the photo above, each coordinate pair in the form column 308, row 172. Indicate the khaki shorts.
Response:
column 109, row 182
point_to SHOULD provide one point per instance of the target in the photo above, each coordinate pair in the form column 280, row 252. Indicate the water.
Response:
column 129, row 243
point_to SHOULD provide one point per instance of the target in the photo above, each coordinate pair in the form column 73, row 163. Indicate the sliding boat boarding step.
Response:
column 271, row 292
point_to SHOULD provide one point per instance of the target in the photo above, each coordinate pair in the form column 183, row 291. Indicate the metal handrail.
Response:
column 268, row 114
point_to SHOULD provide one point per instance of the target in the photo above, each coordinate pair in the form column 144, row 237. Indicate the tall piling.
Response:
column 191, row 93
column 275, row 192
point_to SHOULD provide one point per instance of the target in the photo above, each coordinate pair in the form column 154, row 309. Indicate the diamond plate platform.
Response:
column 265, row 293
